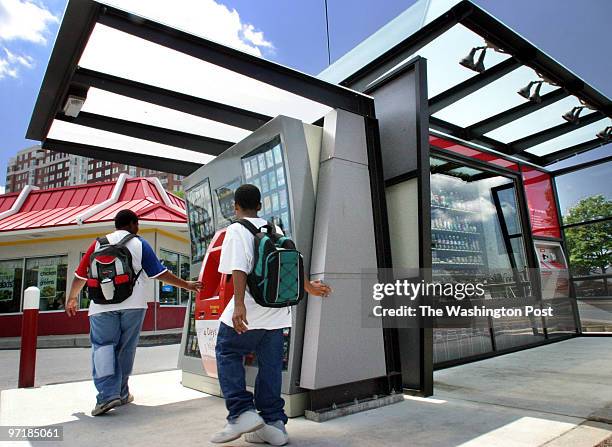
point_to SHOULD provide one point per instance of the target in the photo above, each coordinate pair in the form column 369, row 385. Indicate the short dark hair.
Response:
column 248, row 197
column 124, row 218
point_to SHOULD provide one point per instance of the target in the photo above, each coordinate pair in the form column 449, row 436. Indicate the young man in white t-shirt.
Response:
column 247, row 327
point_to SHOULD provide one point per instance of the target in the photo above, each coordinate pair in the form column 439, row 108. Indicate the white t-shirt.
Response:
column 237, row 254
column 143, row 258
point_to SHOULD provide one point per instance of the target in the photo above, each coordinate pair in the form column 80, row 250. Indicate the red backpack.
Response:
column 111, row 276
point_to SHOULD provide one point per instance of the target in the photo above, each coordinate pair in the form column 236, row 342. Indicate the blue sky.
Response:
column 576, row 33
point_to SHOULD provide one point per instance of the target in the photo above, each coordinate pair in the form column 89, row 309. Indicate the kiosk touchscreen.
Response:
column 262, row 159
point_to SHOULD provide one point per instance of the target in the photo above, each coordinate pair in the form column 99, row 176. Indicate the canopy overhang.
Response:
column 482, row 108
column 161, row 98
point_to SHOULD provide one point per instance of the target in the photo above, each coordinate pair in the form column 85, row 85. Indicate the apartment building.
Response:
column 49, row 169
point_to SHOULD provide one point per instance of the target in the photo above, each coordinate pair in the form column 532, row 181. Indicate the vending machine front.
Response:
column 288, row 198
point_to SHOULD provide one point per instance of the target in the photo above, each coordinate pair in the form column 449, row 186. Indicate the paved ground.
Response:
column 540, row 397
column 59, row 365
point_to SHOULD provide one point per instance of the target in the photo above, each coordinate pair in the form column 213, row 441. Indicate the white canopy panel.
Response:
column 64, row 131
column 120, row 54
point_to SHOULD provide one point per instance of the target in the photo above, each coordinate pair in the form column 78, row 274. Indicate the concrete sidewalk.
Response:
column 147, row 338
column 518, row 400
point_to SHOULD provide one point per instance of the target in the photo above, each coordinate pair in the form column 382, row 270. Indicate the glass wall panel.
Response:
column 595, row 314
column 577, row 190
column 49, row 275
column 11, row 275
column 590, row 248
column 477, row 235
column 454, row 344
column 179, row 265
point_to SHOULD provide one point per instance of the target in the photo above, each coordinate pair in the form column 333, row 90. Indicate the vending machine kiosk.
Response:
column 553, row 269
column 298, row 168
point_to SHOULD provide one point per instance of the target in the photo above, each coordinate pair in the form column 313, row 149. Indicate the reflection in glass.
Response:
column 477, row 236
column 271, row 181
column 49, row 275
column 224, row 196
column 590, row 248
column 200, row 212
column 11, row 273
column 595, row 314
column 579, row 185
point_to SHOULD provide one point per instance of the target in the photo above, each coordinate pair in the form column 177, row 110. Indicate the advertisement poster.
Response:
column 201, row 228
column 7, row 283
column 225, row 198
column 47, row 280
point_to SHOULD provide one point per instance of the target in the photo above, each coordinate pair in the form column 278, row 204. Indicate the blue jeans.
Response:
column 114, row 338
column 268, row 347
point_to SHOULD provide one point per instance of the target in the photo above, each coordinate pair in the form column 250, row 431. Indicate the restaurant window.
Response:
column 178, row 264
column 49, row 275
column 11, row 275
column 83, row 296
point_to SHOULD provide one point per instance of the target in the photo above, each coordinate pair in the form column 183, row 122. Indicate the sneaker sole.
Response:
column 106, row 408
column 239, row 435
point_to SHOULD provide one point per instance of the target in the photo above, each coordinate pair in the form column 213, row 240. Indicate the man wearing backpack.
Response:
column 117, row 269
column 246, row 326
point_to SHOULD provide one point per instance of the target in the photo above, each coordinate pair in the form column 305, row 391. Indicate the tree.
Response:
column 590, row 246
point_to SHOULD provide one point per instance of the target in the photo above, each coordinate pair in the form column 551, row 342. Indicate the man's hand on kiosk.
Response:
column 318, row 288
column 194, row 286
column 240, row 318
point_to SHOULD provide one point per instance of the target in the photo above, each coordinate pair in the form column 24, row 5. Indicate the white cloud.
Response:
column 205, row 18
column 25, row 20
column 10, row 63
column 21, row 20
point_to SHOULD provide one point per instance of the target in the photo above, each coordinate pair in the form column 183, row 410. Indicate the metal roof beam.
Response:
column 118, row 156
column 570, row 151
column 361, row 79
column 492, row 30
column 193, row 105
column 553, row 132
column 162, row 135
column 489, row 143
column 254, row 67
column 507, row 116
column 472, row 85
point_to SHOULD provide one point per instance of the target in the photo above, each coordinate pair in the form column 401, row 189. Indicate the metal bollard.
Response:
column 29, row 334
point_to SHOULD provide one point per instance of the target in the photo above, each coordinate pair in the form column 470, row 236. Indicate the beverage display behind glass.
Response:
column 476, row 235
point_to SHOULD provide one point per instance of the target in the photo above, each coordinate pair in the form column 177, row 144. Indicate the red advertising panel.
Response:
column 541, row 203
column 451, row 146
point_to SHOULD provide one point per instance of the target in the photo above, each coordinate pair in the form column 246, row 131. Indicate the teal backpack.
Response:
column 277, row 279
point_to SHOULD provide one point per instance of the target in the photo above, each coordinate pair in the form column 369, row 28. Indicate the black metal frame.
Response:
column 395, row 339
column 522, row 52
column 64, row 76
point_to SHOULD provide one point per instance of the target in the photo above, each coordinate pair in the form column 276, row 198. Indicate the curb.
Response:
column 82, row 341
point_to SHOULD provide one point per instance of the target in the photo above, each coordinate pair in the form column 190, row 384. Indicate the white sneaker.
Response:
column 271, row 434
column 245, row 423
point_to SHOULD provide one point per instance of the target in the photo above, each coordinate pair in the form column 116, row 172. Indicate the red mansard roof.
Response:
column 64, row 206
